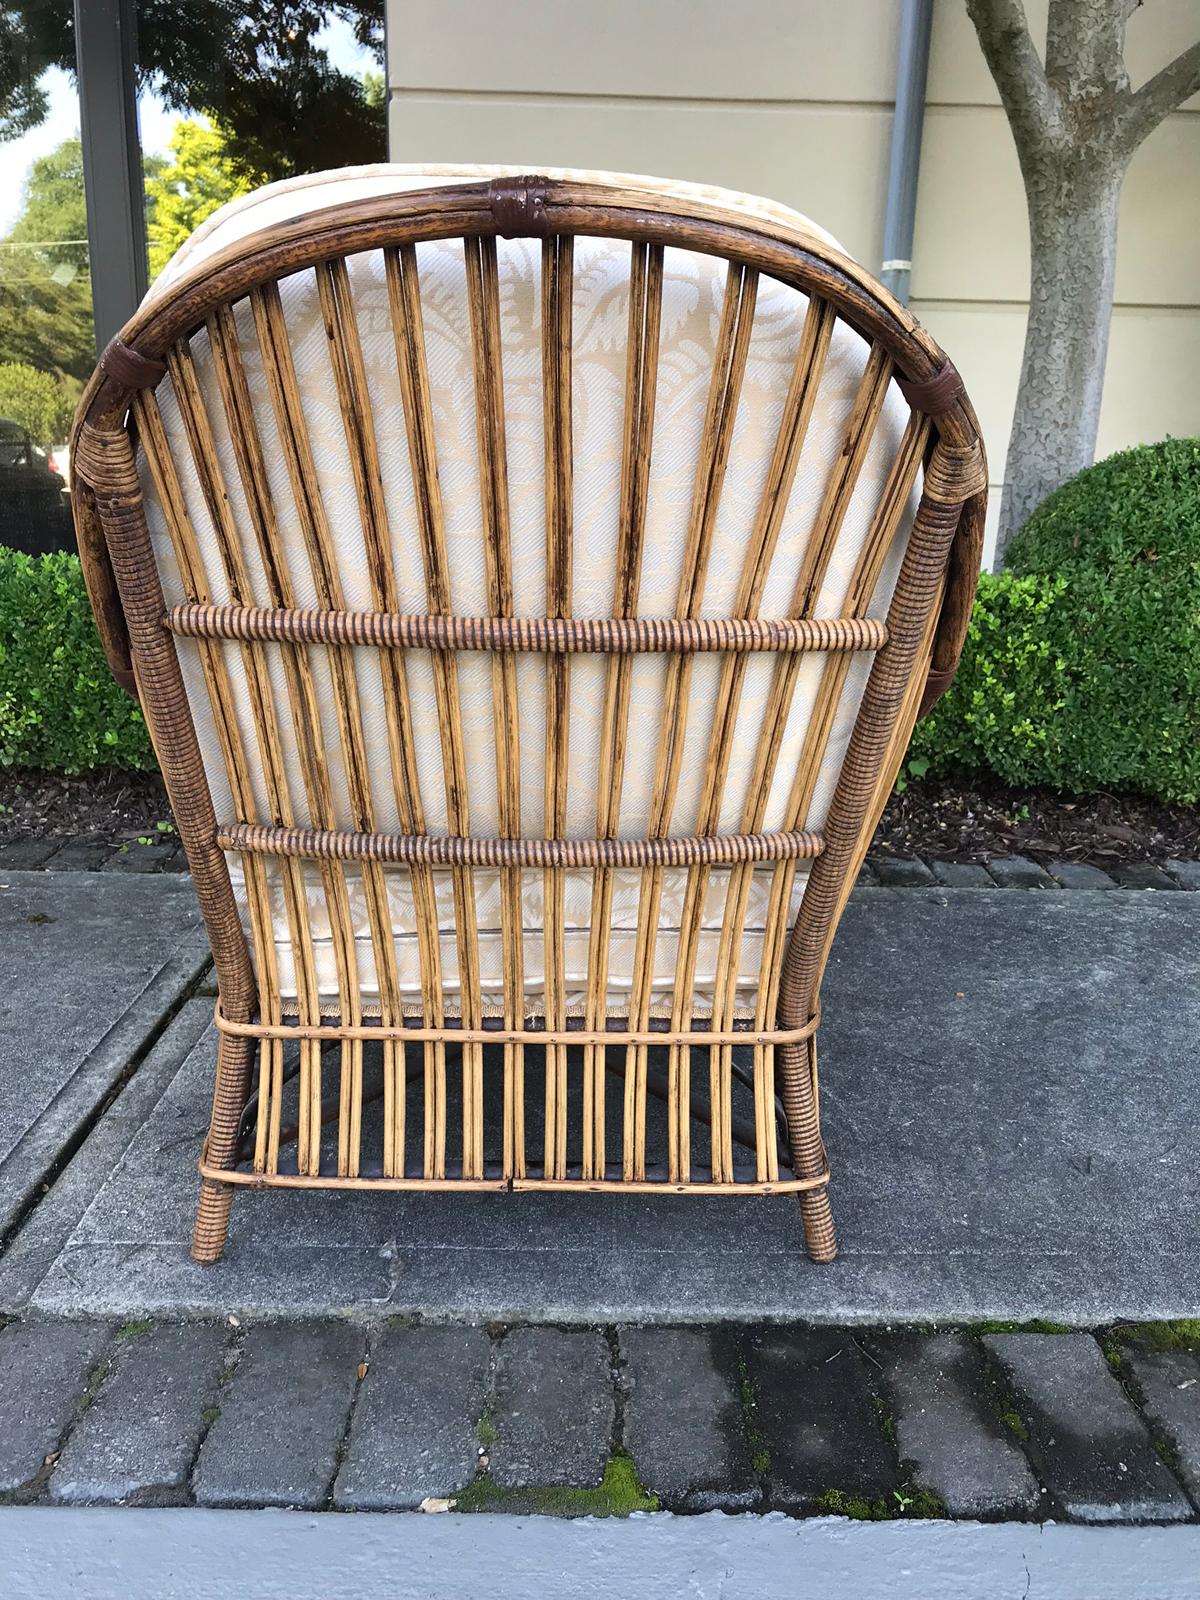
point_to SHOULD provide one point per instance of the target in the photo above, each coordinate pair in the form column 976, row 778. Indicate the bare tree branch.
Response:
column 1164, row 93
column 1085, row 47
column 1013, row 60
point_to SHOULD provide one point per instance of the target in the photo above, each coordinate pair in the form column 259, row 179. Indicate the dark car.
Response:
column 35, row 513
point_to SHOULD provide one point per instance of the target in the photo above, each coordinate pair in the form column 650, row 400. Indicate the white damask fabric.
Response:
column 692, row 296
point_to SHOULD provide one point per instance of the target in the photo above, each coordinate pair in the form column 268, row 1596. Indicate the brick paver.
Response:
column 283, row 1418
column 415, row 1433
column 962, row 875
column 684, row 1426
column 902, row 872
column 139, row 1436
column 944, row 1430
column 1143, row 875
column 1094, row 1452
column 1079, row 875
column 554, row 1409
column 321, row 1415
column 821, row 1428
column 44, row 1368
column 1018, row 872
column 1169, row 1383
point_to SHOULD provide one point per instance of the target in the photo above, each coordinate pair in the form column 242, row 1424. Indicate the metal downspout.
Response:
column 912, row 66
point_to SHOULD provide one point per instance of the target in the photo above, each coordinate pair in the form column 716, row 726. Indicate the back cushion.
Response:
column 694, row 288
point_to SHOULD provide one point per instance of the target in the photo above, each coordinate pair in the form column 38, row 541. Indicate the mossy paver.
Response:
column 902, row 872
column 1143, row 875
column 282, row 1418
column 684, row 1422
column 416, row 1430
column 962, row 875
column 820, row 1425
column 1168, row 1382
column 80, row 855
column 139, row 1436
column 44, row 1369
column 158, row 856
column 554, row 1409
column 943, row 1429
column 1093, row 1451
column 1018, row 872
column 534, row 1420
column 1079, row 875
column 26, row 855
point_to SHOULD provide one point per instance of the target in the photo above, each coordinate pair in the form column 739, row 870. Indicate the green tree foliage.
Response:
column 45, row 287
column 256, row 67
column 27, row 44
column 374, row 90
column 39, row 402
column 45, row 291
column 198, row 180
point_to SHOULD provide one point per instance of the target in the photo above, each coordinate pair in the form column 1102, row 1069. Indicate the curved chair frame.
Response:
column 916, row 653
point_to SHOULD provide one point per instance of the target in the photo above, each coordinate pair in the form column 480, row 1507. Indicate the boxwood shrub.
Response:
column 59, row 705
column 1082, row 668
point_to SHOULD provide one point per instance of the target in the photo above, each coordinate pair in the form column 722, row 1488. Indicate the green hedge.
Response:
column 1082, row 667
column 59, row 705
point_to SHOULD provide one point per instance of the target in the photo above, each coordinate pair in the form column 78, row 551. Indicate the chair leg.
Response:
column 808, row 1151
column 212, row 1221
column 234, row 1058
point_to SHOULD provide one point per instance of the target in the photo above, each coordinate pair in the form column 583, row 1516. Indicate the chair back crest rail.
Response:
column 285, row 683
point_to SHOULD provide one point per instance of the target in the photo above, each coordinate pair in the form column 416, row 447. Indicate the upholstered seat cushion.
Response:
column 693, row 289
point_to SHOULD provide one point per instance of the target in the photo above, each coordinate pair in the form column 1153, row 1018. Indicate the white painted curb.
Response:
column 115, row 1554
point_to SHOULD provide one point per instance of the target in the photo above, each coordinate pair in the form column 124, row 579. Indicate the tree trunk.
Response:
column 1074, row 199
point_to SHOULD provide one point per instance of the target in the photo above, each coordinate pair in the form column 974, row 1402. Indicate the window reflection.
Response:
column 231, row 95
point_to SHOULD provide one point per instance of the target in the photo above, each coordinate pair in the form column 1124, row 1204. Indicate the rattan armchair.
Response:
column 531, row 585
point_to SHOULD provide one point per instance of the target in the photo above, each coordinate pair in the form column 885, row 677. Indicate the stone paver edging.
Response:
column 870, row 1425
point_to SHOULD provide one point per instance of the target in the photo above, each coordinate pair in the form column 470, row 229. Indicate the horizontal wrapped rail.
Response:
column 543, row 635
column 436, row 850
column 613, row 1185
column 416, row 1032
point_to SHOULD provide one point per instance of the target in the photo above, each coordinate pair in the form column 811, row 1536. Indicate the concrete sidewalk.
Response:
column 92, row 967
column 1009, row 1099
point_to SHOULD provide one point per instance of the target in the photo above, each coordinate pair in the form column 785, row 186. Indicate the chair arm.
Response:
column 962, row 577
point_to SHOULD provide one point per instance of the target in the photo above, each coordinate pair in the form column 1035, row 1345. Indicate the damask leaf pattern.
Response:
column 693, row 289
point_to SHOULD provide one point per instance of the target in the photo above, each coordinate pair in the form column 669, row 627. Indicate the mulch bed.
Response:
column 938, row 819
column 115, row 806
column 946, row 821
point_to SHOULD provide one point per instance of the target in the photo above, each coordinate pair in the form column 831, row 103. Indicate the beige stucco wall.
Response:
column 793, row 98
